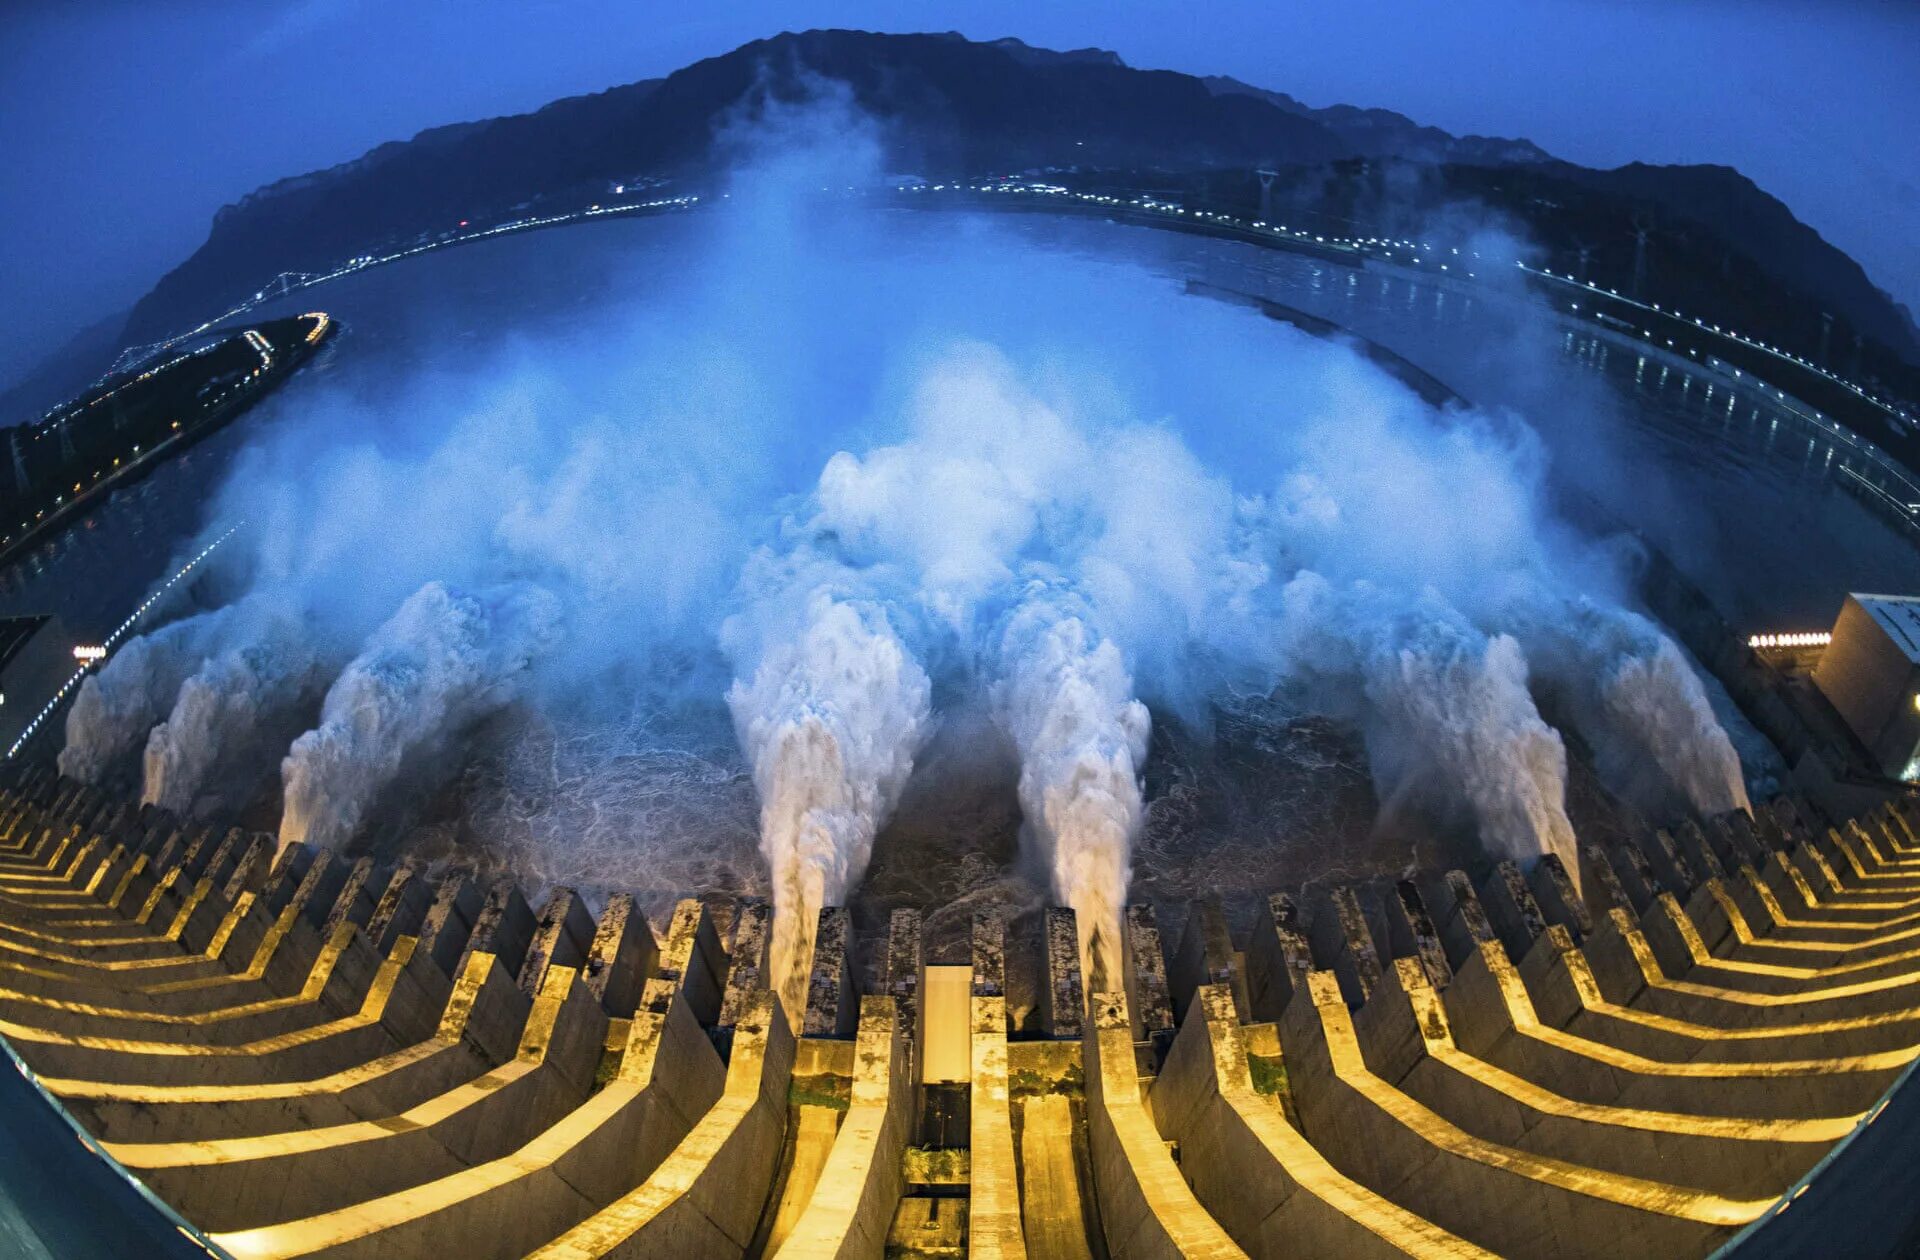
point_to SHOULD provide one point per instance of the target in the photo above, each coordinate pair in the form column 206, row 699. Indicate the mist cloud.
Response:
column 443, row 661
column 836, row 471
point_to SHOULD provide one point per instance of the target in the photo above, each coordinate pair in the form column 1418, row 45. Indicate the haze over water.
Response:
column 420, row 334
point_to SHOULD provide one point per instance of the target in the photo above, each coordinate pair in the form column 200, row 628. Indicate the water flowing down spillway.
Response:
column 1631, row 692
column 443, row 660
column 260, row 668
column 1448, row 718
column 1067, row 701
column 830, row 722
column 117, row 706
column 865, row 497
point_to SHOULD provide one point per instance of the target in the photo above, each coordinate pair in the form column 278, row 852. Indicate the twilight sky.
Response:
column 125, row 124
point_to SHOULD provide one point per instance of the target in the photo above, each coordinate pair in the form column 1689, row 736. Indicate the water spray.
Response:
column 445, row 659
column 1066, row 698
column 830, row 720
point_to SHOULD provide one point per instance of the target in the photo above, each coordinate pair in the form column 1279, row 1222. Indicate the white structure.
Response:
column 1871, row 675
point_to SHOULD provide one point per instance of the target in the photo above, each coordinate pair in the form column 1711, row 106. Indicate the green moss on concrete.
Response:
column 606, row 1070
column 1269, row 1074
column 1027, row 1083
column 821, row 1091
column 924, row 1166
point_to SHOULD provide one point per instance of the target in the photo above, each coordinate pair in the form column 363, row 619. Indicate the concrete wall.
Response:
column 1870, row 681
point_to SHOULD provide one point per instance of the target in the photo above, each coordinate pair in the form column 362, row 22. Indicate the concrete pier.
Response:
column 312, row 1054
column 831, row 1005
column 854, row 1197
column 1063, row 1005
column 1148, row 1000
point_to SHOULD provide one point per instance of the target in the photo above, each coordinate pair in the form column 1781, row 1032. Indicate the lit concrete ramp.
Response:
column 851, row 1202
column 1147, row 1207
column 1050, row 1208
column 809, row 1142
column 662, row 1079
column 994, row 1227
column 239, row 1183
column 1707, row 1041
column 1375, row 1132
column 473, row 1036
column 704, row 1199
column 1266, row 1184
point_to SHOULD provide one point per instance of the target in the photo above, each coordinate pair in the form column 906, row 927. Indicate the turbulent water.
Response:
column 830, row 721
column 443, row 661
column 1067, row 700
column 1632, row 693
column 135, row 688
column 1449, row 722
column 263, row 665
column 832, row 557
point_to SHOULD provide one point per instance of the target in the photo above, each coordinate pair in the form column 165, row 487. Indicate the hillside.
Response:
column 949, row 107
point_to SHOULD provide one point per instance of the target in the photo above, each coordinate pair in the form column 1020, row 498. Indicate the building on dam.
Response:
column 1870, row 673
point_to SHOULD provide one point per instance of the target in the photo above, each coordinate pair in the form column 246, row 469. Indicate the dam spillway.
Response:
column 309, row 1055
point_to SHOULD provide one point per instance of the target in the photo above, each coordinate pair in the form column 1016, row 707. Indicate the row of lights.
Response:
column 1415, row 249
column 1414, row 252
column 1838, row 433
column 1890, row 468
column 1153, row 204
column 1810, row 638
column 1745, row 340
column 301, row 280
column 26, row 527
column 53, row 422
column 94, row 655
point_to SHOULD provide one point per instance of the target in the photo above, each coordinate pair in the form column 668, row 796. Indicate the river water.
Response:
column 1747, row 497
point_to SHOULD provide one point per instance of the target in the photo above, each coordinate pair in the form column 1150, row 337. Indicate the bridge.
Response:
column 133, row 358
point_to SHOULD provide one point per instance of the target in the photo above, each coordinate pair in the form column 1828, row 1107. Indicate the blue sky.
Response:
column 125, row 125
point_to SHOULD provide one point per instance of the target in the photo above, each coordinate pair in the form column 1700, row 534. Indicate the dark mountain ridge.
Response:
column 945, row 107
column 1748, row 218
column 1381, row 133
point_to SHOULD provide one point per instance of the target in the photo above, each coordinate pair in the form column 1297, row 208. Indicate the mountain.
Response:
column 1381, row 133
column 1732, row 207
column 948, row 107
column 64, row 372
column 1027, row 54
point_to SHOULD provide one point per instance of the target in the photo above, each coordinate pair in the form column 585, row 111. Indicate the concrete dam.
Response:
column 355, row 1037
column 301, row 1054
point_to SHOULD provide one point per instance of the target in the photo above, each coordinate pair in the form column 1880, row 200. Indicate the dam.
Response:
column 898, row 646
column 1668, row 1039
column 302, row 1054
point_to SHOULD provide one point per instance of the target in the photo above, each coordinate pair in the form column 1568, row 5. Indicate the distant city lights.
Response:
column 1368, row 245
